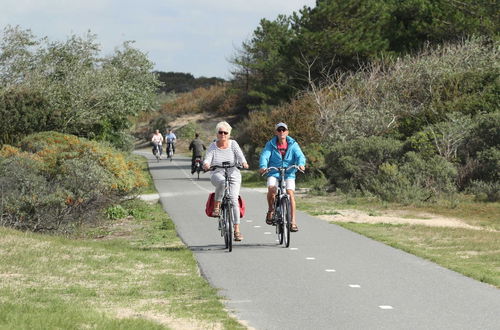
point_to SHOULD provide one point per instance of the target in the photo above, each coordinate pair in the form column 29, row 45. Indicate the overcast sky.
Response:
column 195, row 36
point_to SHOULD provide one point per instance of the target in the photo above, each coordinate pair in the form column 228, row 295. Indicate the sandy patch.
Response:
column 184, row 120
column 397, row 217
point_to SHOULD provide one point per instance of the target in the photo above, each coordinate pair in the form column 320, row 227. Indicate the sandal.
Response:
column 216, row 212
column 294, row 228
column 237, row 236
column 269, row 217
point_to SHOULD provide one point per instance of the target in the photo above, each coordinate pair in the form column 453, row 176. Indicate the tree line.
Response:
column 284, row 55
column 395, row 99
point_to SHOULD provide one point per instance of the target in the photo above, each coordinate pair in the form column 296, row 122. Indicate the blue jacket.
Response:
column 270, row 156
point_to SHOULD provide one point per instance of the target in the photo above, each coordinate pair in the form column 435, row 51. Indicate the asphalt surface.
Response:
column 329, row 278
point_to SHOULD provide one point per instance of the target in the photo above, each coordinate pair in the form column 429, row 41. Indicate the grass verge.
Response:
column 130, row 273
column 474, row 253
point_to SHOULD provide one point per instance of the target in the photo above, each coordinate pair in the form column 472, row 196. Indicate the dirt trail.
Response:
column 397, row 217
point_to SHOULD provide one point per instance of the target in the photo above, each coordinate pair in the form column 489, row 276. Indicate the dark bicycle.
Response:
column 157, row 151
column 282, row 217
column 226, row 220
column 170, row 150
column 197, row 166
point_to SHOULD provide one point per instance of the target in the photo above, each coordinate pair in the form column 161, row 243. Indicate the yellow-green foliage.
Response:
column 50, row 148
column 53, row 180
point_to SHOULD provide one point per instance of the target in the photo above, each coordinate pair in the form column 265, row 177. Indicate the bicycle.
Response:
column 170, row 150
column 197, row 166
column 282, row 217
column 157, row 151
column 226, row 220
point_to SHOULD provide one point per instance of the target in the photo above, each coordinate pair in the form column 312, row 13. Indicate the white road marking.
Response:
column 249, row 220
column 385, row 307
column 310, row 258
column 330, row 270
column 256, row 226
column 267, row 233
column 355, row 285
column 294, row 249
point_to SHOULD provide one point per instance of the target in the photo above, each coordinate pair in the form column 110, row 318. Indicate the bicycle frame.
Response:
column 282, row 206
column 226, row 214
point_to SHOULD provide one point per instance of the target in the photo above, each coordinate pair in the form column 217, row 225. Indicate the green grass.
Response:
column 474, row 253
column 133, row 273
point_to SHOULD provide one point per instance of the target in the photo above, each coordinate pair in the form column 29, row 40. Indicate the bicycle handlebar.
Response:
column 280, row 168
column 214, row 167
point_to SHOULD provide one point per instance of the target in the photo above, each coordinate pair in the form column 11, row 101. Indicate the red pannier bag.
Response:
column 209, row 207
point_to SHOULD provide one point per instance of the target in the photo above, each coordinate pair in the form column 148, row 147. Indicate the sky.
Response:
column 192, row 36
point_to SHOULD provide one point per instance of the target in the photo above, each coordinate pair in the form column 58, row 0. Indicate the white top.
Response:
column 232, row 154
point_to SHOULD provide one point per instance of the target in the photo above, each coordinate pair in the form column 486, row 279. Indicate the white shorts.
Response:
column 273, row 182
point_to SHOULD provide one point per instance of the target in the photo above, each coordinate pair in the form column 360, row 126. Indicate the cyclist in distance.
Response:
column 157, row 140
column 170, row 139
column 197, row 147
column 281, row 151
column 224, row 149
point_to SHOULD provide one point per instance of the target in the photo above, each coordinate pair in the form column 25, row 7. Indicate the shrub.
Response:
column 485, row 191
column 56, row 180
column 351, row 164
column 434, row 176
column 415, row 179
column 488, row 168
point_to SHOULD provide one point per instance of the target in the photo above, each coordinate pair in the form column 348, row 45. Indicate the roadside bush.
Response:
column 56, row 180
column 414, row 179
column 352, row 164
column 485, row 191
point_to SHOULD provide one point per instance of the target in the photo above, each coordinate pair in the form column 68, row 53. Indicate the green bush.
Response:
column 116, row 212
column 351, row 164
column 23, row 112
column 485, row 191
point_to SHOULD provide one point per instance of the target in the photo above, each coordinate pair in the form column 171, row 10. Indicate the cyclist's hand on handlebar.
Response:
column 302, row 168
column 206, row 167
column 262, row 170
column 245, row 165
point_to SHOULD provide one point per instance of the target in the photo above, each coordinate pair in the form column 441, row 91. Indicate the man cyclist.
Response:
column 197, row 147
column 170, row 139
column 157, row 140
column 281, row 151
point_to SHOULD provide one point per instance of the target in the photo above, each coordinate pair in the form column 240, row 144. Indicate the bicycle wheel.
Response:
column 278, row 212
column 223, row 225
column 229, row 227
column 286, row 216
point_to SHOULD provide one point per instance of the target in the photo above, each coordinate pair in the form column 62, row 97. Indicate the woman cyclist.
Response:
column 224, row 149
column 157, row 140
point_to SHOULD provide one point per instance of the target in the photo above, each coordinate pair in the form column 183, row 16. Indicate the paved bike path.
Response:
column 329, row 278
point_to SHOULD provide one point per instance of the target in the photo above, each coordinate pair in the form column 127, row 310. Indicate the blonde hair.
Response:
column 223, row 125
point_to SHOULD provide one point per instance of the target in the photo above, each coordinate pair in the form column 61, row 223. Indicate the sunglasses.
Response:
column 222, row 132
column 281, row 129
